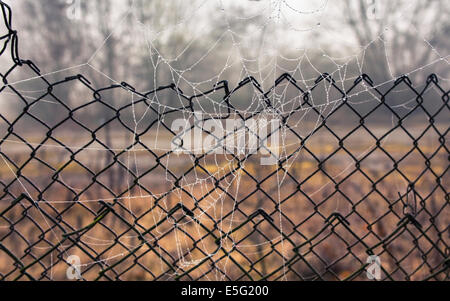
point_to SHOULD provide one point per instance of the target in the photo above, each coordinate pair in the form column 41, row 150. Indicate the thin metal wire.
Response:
column 294, row 236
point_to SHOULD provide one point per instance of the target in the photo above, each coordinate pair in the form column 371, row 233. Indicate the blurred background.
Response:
column 151, row 43
column 50, row 153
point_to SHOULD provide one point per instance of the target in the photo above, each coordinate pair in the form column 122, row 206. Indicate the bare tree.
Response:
column 400, row 35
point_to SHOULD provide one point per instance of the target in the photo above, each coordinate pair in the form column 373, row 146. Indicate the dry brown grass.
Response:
column 168, row 250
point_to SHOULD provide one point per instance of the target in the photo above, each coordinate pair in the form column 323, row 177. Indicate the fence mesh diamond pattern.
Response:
column 132, row 210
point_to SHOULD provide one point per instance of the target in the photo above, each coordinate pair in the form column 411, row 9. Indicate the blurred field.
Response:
column 86, row 166
column 298, row 199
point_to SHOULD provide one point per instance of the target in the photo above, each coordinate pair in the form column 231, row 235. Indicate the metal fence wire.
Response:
column 199, row 216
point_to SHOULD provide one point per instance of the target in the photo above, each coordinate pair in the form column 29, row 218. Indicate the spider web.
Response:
column 260, row 68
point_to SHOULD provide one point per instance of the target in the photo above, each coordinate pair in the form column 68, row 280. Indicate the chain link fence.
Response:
column 86, row 181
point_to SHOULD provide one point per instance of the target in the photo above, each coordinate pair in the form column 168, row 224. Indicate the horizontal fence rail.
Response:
column 96, row 197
